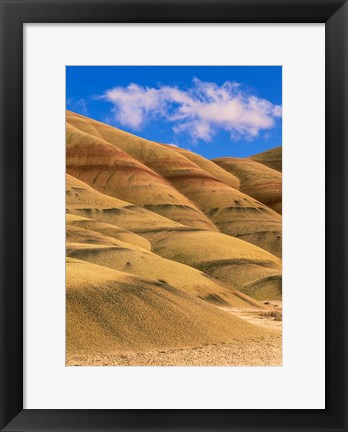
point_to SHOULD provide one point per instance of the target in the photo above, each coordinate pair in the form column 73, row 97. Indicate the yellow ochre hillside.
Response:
column 271, row 158
column 165, row 181
column 257, row 180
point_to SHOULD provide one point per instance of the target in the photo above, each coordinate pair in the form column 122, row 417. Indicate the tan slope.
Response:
column 112, row 171
column 109, row 311
column 271, row 158
column 106, row 231
column 267, row 288
column 85, row 236
column 222, row 252
column 232, row 211
column 257, row 180
column 223, row 257
column 133, row 260
column 208, row 166
column 83, row 200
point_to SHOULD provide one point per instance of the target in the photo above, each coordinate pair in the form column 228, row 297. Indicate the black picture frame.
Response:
column 14, row 13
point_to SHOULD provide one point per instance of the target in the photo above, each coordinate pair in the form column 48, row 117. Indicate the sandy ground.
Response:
column 270, row 319
column 259, row 352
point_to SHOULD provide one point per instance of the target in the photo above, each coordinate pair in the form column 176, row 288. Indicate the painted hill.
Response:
column 113, row 172
column 227, row 258
column 208, row 166
column 164, row 181
column 271, row 158
column 124, row 257
column 255, row 179
column 83, row 200
column 164, row 247
column 110, row 311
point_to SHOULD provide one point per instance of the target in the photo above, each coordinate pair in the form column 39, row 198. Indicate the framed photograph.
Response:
column 173, row 215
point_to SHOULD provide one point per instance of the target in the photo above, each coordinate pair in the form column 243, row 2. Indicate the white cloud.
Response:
column 199, row 111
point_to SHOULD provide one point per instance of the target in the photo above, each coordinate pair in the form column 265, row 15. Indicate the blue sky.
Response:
column 214, row 111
